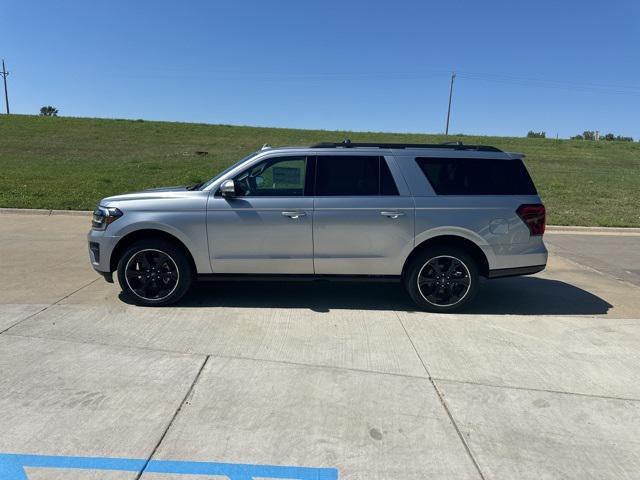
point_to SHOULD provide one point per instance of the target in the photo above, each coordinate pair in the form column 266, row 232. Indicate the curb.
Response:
column 40, row 211
column 578, row 229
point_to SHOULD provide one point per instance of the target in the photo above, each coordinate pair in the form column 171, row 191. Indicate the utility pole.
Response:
column 453, row 76
column 6, row 95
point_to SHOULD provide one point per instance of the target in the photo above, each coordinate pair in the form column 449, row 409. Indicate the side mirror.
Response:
column 228, row 188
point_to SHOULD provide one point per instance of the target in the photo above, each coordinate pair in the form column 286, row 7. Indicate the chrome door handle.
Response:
column 294, row 214
column 392, row 214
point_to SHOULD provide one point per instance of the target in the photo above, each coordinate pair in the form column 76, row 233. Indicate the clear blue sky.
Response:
column 558, row 66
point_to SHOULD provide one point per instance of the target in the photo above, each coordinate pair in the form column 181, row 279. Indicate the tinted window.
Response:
column 477, row 176
column 353, row 176
column 387, row 185
column 275, row 177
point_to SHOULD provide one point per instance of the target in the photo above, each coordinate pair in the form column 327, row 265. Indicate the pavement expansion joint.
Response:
column 531, row 389
column 443, row 403
column 226, row 357
column 48, row 306
column 173, row 417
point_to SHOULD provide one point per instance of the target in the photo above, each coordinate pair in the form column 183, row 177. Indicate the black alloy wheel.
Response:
column 154, row 272
column 442, row 279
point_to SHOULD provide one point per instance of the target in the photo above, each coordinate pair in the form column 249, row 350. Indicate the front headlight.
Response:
column 103, row 216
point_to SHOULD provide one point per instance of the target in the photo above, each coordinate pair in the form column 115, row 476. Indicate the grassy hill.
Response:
column 71, row 163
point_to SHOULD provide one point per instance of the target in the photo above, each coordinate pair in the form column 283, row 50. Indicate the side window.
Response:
column 387, row 184
column 477, row 176
column 355, row 175
column 275, row 177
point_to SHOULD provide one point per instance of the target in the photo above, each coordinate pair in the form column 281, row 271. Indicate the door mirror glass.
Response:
column 228, row 188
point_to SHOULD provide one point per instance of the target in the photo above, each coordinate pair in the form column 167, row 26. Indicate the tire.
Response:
column 449, row 290
column 154, row 273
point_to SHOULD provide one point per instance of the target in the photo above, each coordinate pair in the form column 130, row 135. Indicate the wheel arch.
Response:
column 456, row 241
column 145, row 234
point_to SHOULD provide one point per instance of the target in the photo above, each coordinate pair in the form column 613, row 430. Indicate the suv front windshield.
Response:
column 228, row 169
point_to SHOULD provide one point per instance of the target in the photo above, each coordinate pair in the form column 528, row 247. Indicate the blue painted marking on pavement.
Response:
column 12, row 467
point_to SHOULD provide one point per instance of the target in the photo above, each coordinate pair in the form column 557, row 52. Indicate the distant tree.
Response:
column 533, row 134
column 49, row 111
column 609, row 137
column 617, row 138
column 624, row 139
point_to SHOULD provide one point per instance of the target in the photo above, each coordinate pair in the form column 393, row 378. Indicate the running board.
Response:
column 240, row 277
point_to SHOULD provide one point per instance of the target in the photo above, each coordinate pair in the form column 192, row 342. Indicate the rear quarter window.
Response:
column 477, row 176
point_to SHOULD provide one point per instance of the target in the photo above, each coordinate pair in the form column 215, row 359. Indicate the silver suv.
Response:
column 435, row 217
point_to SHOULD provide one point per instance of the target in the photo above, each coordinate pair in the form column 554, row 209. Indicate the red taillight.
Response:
column 534, row 216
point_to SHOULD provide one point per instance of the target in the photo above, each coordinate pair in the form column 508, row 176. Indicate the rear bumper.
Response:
column 529, row 257
column 514, row 272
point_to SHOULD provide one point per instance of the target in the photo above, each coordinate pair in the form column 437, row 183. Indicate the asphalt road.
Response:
column 614, row 253
column 540, row 379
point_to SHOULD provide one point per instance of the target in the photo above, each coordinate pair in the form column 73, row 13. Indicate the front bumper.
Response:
column 108, row 276
column 101, row 246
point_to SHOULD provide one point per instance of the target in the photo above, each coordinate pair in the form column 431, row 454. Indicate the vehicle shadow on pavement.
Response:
column 319, row 296
column 514, row 296
column 536, row 296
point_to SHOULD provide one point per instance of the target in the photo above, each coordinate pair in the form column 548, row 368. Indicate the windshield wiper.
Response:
column 195, row 186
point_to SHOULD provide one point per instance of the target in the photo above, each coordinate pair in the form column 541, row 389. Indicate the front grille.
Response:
column 94, row 247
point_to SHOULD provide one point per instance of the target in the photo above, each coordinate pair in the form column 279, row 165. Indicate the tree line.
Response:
column 586, row 135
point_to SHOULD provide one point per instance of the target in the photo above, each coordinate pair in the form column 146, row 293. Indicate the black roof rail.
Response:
column 452, row 145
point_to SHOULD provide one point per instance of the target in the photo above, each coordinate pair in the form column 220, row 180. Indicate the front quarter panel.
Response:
column 182, row 215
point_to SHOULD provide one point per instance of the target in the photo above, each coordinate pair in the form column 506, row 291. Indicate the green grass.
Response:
column 71, row 163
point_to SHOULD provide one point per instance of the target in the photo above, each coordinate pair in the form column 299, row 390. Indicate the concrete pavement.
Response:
column 539, row 380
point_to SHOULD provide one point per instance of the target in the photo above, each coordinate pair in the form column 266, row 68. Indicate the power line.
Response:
column 552, row 83
column 284, row 75
column 4, row 77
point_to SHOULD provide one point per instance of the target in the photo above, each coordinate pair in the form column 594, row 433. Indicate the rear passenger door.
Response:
column 363, row 220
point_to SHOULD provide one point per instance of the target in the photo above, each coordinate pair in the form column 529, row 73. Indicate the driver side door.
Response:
column 266, row 227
